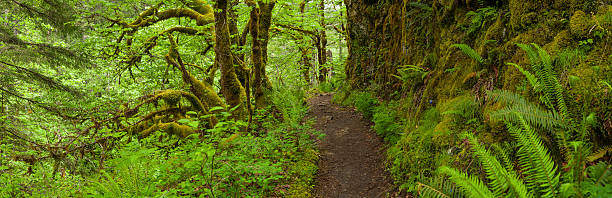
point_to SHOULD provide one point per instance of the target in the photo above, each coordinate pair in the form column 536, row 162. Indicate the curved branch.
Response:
column 152, row 18
column 308, row 32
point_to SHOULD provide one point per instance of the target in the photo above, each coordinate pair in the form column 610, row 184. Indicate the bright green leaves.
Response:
column 192, row 123
column 470, row 185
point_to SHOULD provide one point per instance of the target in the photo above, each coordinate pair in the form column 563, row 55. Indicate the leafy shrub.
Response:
column 414, row 154
column 326, row 87
column 387, row 122
column 132, row 173
column 365, row 103
column 221, row 162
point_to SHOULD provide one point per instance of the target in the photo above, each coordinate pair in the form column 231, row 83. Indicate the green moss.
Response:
column 580, row 24
column 562, row 40
column 495, row 31
column 302, row 173
column 170, row 128
column 523, row 12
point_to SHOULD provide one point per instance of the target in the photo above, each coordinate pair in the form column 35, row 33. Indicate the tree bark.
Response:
column 360, row 63
column 231, row 87
column 322, row 49
column 241, row 68
column 261, row 16
column 265, row 20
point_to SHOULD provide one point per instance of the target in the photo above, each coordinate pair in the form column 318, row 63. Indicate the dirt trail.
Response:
column 351, row 163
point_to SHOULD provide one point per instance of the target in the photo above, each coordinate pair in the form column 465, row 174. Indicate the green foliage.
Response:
column 326, row 87
column 470, row 185
column 463, row 111
column 439, row 187
column 544, row 81
column 535, row 160
column 387, row 121
column 479, row 18
column 415, row 154
column 502, row 179
column 364, row 102
column 411, row 75
column 467, row 50
column 516, row 105
column 539, row 176
column 132, row 174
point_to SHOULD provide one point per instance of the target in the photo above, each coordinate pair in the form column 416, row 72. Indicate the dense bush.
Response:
column 388, row 123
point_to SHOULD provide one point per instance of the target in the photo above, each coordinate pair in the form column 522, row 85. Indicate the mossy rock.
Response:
column 495, row 31
column 572, row 4
column 524, row 12
column 493, row 124
column 580, row 24
column 562, row 40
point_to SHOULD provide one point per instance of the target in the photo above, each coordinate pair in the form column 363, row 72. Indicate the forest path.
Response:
column 352, row 155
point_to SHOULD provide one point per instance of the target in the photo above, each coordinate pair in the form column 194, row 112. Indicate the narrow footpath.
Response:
column 352, row 155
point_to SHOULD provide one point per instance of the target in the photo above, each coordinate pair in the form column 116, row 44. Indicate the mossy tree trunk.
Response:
column 322, row 49
column 241, row 68
column 304, row 48
column 360, row 63
column 261, row 16
column 231, row 87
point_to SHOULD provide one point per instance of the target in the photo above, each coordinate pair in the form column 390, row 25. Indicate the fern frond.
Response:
column 438, row 186
column 420, row 5
column 542, row 65
column 533, row 81
column 501, row 179
column 467, row 50
column 601, row 173
column 470, row 185
column 599, row 153
column 538, row 167
column 502, row 154
column 425, row 190
column 576, row 161
column 531, row 53
column 532, row 113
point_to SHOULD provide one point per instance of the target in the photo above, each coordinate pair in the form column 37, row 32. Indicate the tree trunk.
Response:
column 241, row 68
column 257, row 58
column 260, row 24
column 322, row 49
column 360, row 63
column 306, row 65
column 304, row 49
column 231, row 88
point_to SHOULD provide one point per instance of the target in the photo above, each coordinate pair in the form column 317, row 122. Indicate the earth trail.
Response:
column 352, row 155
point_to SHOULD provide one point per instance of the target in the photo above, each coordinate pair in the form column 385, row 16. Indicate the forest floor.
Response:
column 352, row 155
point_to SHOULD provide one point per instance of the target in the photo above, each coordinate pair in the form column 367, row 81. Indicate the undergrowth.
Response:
column 278, row 160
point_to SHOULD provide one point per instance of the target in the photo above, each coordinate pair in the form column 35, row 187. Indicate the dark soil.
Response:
column 352, row 155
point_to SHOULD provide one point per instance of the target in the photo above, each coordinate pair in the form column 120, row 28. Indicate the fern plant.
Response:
column 467, row 50
column 438, row 187
column 537, row 174
column 544, row 81
column 516, row 105
column 479, row 18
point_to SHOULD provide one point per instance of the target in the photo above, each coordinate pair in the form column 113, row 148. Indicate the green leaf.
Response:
column 193, row 124
column 216, row 108
column 183, row 121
